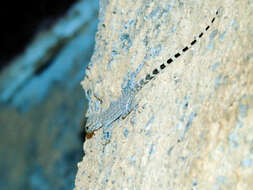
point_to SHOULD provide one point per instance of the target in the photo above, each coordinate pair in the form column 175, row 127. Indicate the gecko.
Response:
column 126, row 102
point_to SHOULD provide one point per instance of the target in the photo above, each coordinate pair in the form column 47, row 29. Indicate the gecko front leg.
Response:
column 93, row 123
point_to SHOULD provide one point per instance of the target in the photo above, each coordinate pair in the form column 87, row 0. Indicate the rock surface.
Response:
column 193, row 128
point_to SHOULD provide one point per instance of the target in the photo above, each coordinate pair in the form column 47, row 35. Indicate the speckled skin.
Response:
column 122, row 107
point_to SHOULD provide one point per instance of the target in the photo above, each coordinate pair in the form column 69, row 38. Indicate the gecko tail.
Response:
column 157, row 70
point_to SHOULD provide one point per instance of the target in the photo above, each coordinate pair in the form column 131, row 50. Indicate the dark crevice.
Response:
column 20, row 20
column 41, row 68
column 45, row 63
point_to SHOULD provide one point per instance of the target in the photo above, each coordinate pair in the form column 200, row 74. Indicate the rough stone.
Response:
column 193, row 128
column 42, row 103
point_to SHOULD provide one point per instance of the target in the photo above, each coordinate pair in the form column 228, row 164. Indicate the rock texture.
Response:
column 193, row 128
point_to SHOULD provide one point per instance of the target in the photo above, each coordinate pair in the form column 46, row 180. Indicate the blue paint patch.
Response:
column 169, row 7
column 233, row 139
column 146, row 41
column 234, row 25
column 216, row 187
column 247, row 163
column 152, row 149
column 111, row 61
column 148, row 133
column 179, row 126
column 239, row 124
column 243, row 110
column 221, row 179
column 213, row 34
column 251, row 151
column 221, row 37
column 132, row 121
column 139, row 68
column 132, row 79
column 177, row 81
column 132, row 160
column 114, row 53
column 96, row 106
column 107, row 135
column 128, row 81
column 232, row 22
column 151, row 120
column 180, row 5
column 185, row 102
column 170, row 150
column 201, row 96
column 218, row 81
column 188, row 124
column 155, row 14
column 125, row 132
column 173, row 29
column 107, row 132
column 105, row 180
column 126, row 41
column 248, row 57
column 129, row 23
column 124, row 36
column 215, row 66
column 195, row 183
column 182, row 118
column 210, row 46
column 154, row 51
column 186, row 105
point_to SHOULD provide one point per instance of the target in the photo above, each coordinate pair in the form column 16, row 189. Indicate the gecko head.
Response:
column 92, row 124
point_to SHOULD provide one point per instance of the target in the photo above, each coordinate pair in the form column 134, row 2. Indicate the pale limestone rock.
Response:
column 193, row 128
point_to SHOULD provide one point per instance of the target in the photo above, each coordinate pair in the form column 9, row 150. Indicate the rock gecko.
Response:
column 126, row 102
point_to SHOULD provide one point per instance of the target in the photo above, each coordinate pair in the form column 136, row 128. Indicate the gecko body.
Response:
column 120, row 108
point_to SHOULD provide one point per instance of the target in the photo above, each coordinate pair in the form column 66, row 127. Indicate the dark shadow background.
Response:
column 21, row 20
column 40, row 135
